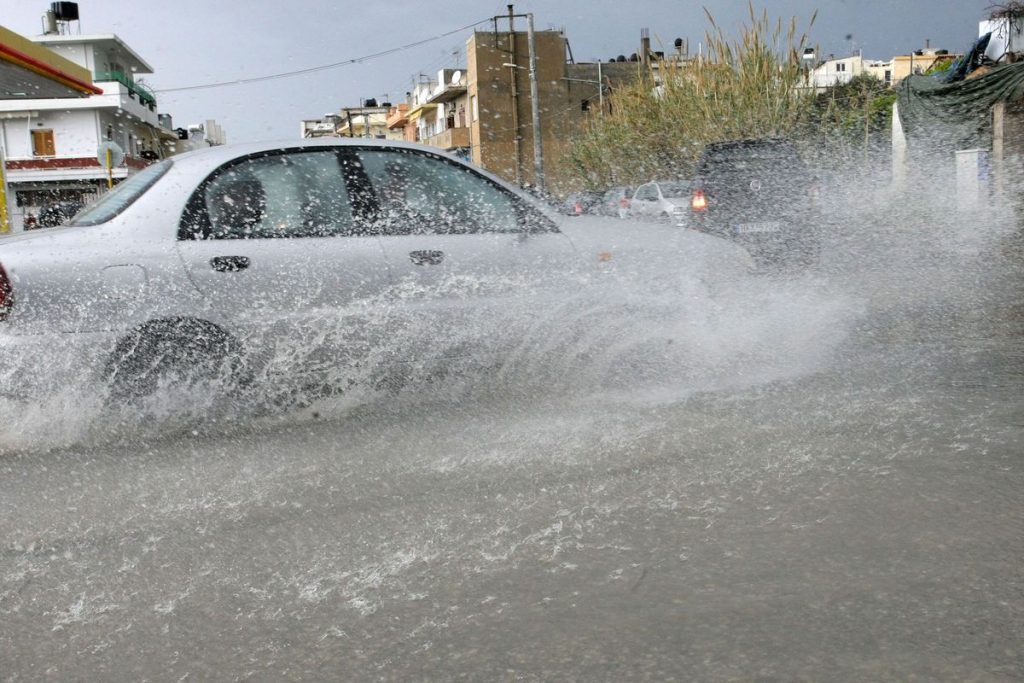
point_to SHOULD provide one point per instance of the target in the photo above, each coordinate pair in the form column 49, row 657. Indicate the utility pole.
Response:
column 517, row 140
column 5, row 221
column 538, row 150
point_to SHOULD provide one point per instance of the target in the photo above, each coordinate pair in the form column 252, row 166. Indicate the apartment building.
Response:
column 368, row 120
column 51, row 144
column 839, row 71
column 28, row 71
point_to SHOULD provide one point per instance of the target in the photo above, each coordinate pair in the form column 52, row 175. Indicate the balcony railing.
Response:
column 145, row 95
column 450, row 138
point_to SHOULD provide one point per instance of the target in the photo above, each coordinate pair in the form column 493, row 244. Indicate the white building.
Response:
column 833, row 72
column 51, row 144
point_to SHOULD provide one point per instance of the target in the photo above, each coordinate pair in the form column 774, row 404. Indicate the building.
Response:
column 29, row 71
column 484, row 112
column 500, row 104
column 192, row 137
column 52, row 145
column 368, row 120
column 839, row 71
column 438, row 113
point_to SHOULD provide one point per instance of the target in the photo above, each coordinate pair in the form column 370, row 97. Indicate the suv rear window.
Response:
column 122, row 196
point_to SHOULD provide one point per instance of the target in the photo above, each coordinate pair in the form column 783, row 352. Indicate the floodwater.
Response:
column 815, row 479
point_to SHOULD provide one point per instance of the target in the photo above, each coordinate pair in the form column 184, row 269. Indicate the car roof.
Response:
column 210, row 158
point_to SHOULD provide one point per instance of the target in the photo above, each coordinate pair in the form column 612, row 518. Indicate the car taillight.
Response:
column 699, row 201
column 578, row 208
column 6, row 294
column 624, row 203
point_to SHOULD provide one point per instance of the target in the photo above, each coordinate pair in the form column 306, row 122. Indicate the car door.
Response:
column 462, row 249
column 272, row 243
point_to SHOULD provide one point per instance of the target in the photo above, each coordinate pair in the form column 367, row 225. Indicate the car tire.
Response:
column 185, row 353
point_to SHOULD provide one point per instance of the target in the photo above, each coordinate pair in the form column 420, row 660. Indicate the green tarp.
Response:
column 958, row 113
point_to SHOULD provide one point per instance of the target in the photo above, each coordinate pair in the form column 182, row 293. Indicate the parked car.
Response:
column 666, row 200
column 583, row 202
column 205, row 265
column 615, row 200
column 761, row 194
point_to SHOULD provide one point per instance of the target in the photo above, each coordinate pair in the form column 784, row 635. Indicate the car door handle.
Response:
column 426, row 257
column 229, row 264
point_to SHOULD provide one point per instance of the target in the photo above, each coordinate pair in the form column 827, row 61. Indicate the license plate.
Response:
column 749, row 228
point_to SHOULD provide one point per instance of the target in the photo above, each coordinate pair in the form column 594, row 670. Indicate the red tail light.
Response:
column 699, row 201
column 578, row 208
column 624, row 203
column 6, row 294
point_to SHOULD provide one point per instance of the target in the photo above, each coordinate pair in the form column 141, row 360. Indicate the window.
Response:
column 122, row 196
column 420, row 194
column 42, row 143
column 298, row 194
column 646, row 193
column 475, row 107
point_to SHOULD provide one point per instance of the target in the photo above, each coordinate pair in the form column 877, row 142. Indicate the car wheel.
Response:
column 181, row 353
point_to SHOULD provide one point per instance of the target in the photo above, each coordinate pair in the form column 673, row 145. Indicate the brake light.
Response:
column 699, row 201
column 6, row 294
column 624, row 203
column 578, row 208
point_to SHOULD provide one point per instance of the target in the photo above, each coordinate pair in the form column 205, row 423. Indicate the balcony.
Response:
column 450, row 138
column 398, row 116
column 446, row 92
column 145, row 95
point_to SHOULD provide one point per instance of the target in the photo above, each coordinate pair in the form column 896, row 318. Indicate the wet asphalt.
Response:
column 863, row 520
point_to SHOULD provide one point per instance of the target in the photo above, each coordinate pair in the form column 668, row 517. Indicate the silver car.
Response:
column 666, row 200
column 219, row 262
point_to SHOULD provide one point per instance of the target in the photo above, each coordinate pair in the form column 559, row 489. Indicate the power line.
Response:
column 324, row 67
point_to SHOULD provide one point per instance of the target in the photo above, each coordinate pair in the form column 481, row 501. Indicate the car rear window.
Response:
column 122, row 196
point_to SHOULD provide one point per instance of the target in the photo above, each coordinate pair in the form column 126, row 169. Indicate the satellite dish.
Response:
column 456, row 78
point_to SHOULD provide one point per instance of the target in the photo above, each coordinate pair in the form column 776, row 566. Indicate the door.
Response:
column 467, row 256
column 271, row 242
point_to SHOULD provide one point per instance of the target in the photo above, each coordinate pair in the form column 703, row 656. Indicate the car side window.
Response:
column 286, row 195
column 421, row 194
column 646, row 193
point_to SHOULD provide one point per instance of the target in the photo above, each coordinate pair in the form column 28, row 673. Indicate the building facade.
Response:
column 51, row 145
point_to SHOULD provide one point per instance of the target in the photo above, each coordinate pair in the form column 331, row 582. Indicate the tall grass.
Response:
column 739, row 88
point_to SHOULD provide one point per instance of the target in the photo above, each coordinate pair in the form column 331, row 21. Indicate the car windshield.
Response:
column 121, row 197
column 514, row 342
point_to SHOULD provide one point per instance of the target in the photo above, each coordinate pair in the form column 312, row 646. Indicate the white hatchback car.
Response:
column 209, row 262
column 665, row 200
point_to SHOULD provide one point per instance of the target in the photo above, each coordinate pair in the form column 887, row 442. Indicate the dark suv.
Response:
column 761, row 194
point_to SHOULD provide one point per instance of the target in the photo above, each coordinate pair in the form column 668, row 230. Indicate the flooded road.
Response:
column 858, row 517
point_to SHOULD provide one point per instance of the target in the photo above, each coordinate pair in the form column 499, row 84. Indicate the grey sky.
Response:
column 192, row 42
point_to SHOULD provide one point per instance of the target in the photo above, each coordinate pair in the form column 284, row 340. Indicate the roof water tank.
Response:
column 65, row 11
